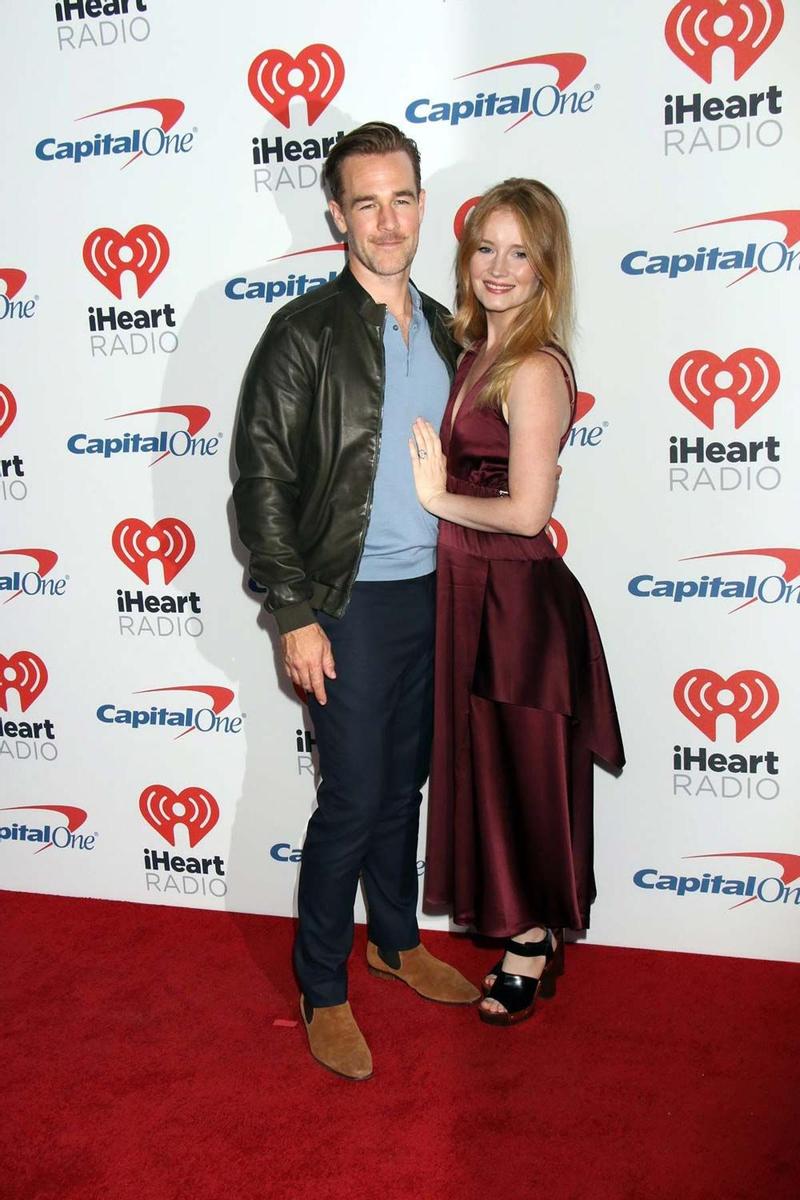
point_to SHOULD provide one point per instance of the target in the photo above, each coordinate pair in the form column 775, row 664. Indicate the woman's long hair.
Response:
column 547, row 318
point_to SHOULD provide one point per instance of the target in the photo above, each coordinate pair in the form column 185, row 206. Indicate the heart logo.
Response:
column 8, row 408
column 194, row 808
column 558, row 536
column 460, row 219
column 750, row 697
column 170, row 542
column 696, row 28
column 316, row 75
column 143, row 250
column 749, row 377
column 25, row 673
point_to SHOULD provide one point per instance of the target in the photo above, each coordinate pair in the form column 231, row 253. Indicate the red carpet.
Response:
column 147, row 1056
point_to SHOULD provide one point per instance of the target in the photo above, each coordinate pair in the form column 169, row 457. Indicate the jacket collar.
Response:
column 374, row 313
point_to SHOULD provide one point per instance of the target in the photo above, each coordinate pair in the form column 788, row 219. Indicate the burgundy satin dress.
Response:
column 523, row 703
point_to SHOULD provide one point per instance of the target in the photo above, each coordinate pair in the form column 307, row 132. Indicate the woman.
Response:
column 523, row 698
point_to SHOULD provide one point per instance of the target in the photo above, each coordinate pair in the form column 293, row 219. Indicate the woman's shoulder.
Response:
column 545, row 362
column 546, row 365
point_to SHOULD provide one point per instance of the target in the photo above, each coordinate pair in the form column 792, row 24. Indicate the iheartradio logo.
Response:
column 696, row 29
column 315, row 75
column 460, row 219
column 169, row 542
column 749, row 697
column 108, row 254
column 194, row 808
column 747, row 377
column 8, row 408
column 558, row 536
column 24, row 673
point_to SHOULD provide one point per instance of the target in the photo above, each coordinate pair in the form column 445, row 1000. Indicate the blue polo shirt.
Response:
column 401, row 535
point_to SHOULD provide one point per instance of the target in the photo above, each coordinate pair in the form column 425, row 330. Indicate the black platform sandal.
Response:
column 558, row 966
column 518, row 993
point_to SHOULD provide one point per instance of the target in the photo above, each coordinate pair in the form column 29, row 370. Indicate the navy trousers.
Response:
column 374, row 743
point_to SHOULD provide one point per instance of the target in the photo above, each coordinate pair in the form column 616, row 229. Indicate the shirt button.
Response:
column 395, row 327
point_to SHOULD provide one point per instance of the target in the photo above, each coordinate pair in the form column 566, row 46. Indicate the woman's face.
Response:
column 501, row 274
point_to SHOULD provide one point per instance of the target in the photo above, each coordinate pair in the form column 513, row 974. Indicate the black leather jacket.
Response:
column 307, row 445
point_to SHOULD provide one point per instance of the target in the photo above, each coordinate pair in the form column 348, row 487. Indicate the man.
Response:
column 326, row 505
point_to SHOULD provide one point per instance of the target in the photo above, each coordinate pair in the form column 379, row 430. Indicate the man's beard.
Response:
column 380, row 267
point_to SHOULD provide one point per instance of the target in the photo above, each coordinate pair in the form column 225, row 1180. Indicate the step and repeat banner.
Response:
column 162, row 200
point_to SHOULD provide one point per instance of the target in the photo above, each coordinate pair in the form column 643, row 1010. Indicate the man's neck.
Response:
column 391, row 290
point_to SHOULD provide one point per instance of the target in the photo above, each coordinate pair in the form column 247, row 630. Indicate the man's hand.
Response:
column 308, row 658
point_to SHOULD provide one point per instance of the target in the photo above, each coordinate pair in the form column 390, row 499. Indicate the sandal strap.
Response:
column 531, row 949
column 514, row 992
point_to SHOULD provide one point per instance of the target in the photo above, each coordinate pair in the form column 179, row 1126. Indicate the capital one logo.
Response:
column 12, row 281
column 64, row 837
column 151, row 142
column 180, row 443
column 194, row 808
column 748, row 378
column 22, row 672
column 108, row 254
column 169, row 109
column 788, row 864
column 546, row 100
column 696, row 29
column 584, row 403
column 31, row 582
column 773, row 256
column 315, row 75
column 220, row 697
column 775, row 889
column 267, row 291
column 8, row 408
column 196, row 417
column 703, row 696
column 169, row 542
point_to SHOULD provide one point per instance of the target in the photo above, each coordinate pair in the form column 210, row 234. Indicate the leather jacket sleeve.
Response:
column 277, row 398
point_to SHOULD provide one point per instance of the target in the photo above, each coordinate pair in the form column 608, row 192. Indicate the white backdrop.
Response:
column 157, row 210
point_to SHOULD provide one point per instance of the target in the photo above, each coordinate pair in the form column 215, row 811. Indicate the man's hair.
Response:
column 376, row 137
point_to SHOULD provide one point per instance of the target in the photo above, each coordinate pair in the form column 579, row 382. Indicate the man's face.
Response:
column 380, row 212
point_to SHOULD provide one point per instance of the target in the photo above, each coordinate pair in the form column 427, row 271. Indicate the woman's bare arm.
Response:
column 538, row 414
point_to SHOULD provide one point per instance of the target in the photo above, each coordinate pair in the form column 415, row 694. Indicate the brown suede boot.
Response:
column 336, row 1041
column 429, row 976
